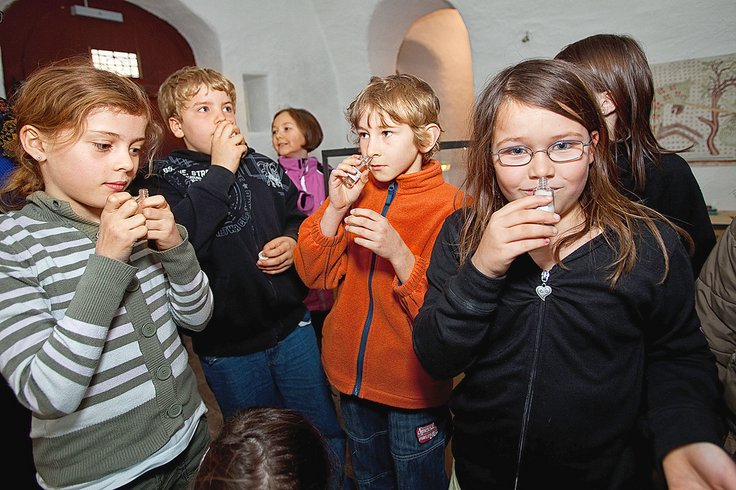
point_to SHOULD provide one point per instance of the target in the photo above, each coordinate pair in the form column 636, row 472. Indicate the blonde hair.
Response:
column 58, row 98
column 405, row 99
column 184, row 84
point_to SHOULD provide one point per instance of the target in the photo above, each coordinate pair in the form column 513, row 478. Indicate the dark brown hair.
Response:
column 307, row 124
column 620, row 68
column 266, row 448
column 564, row 89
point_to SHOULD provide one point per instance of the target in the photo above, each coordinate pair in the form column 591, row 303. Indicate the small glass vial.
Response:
column 358, row 170
column 543, row 189
column 142, row 194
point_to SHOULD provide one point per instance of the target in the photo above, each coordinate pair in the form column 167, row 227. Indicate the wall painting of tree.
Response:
column 695, row 108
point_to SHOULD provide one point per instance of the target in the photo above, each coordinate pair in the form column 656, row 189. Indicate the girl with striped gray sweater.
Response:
column 94, row 284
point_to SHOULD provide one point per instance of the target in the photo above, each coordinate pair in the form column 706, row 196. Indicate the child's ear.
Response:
column 433, row 133
column 605, row 102
column 175, row 127
column 594, row 137
column 30, row 138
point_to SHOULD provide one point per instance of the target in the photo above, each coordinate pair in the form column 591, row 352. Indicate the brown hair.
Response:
column 563, row 89
column 307, row 124
column 58, row 98
column 184, row 84
column 404, row 98
column 266, row 448
column 619, row 68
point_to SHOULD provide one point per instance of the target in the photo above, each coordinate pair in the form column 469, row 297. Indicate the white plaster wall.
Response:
column 281, row 41
column 318, row 54
column 446, row 66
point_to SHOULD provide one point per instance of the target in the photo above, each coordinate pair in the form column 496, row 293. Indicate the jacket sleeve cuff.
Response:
column 178, row 260
column 676, row 428
column 475, row 288
column 314, row 232
column 100, row 290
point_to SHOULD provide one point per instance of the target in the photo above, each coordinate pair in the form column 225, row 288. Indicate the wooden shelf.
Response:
column 721, row 221
column 723, row 218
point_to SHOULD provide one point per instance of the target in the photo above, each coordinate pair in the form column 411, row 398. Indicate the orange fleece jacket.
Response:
column 389, row 372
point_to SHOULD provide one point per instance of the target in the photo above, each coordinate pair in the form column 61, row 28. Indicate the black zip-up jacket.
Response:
column 230, row 217
column 671, row 189
column 558, row 391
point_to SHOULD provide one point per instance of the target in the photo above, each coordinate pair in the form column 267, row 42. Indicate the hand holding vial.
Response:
column 351, row 179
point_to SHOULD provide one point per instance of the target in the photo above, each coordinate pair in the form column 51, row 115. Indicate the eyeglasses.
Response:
column 559, row 152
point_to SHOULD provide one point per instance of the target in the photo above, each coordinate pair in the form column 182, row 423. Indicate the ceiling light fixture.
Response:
column 85, row 11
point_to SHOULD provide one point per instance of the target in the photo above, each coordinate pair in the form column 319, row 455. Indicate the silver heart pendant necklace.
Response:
column 544, row 290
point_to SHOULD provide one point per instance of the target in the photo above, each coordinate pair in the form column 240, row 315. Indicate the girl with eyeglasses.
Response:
column 575, row 330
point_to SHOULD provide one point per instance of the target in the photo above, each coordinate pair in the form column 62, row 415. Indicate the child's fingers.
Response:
column 118, row 201
column 366, row 213
column 157, row 201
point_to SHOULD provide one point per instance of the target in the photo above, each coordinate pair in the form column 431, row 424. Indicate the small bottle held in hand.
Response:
column 142, row 194
column 543, row 189
column 353, row 178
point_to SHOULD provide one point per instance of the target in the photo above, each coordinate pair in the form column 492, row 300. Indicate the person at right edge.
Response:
column 372, row 241
column 659, row 179
column 715, row 300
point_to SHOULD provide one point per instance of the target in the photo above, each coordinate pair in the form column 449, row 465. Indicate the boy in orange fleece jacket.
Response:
column 371, row 242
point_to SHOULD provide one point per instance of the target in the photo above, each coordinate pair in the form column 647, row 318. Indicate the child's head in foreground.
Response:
column 72, row 120
column 266, row 448
column 295, row 132
column 192, row 101
column 396, row 119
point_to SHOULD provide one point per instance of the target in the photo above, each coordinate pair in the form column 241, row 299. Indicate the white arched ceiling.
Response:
column 204, row 41
column 387, row 28
column 436, row 49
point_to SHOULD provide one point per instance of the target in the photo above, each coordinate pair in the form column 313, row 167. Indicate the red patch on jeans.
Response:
column 426, row 433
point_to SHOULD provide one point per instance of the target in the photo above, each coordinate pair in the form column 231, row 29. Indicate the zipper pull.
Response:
column 544, row 289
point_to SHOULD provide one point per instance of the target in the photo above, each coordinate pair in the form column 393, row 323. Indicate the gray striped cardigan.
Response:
column 90, row 344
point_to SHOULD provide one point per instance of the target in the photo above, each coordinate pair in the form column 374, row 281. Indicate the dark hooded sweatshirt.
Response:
column 230, row 217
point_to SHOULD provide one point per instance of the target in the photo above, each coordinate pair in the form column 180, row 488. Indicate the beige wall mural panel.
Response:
column 695, row 107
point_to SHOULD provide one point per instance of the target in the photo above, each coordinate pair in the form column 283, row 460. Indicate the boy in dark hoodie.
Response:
column 240, row 209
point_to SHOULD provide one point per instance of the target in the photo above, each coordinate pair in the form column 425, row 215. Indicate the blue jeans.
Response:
column 395, row 448
column 287, row 375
